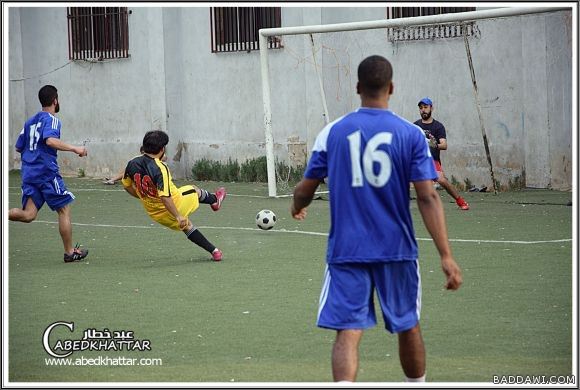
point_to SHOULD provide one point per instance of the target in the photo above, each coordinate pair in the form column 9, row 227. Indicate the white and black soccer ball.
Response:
column 266, row 219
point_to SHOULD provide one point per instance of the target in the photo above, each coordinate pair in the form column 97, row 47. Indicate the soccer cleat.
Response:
column 462, row 203
column 109, row 182
column 220, row 194
column 216, row 255
column 78, row 254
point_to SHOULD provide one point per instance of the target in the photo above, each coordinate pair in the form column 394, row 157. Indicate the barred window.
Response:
column 413, row 33
column 98, row 33
column 236, row 28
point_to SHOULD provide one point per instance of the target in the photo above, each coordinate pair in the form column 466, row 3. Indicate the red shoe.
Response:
column 217, row 255
column 462, row 203
column 220, row 194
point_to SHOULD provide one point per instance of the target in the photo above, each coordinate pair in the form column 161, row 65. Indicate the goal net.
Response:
column 465, row 62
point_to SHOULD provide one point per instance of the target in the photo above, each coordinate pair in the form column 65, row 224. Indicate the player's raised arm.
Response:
column 431, row 209
column 57, row 144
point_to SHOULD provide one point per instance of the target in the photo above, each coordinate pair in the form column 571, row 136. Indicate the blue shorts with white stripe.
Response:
column 347, row 297
column 53, row 192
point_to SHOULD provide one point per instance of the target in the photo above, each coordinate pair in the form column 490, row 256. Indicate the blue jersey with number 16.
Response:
column 38, row 159
column 370, row 156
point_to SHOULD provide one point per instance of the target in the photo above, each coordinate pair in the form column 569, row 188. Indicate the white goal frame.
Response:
column 368, row 25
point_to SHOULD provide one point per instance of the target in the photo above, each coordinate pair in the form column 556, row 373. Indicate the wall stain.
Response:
column 504, row 127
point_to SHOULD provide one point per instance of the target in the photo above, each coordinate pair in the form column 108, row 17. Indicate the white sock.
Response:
column 420, row 379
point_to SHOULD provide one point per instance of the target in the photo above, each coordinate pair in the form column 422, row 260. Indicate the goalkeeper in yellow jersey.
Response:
column 148, row 178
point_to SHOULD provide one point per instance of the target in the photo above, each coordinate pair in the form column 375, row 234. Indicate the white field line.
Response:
column 121, row 190
column 291, row 195
column 308, row 233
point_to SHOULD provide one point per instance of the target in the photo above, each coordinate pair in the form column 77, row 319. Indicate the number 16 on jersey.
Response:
column 371, row 154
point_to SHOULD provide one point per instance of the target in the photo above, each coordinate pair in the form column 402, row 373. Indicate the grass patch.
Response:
column 254, row 170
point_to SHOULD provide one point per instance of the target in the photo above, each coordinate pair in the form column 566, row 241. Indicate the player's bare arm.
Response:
column 303, row 194
column 431, row 210
column 442, row 145
column 57, row 144
column 170, row 206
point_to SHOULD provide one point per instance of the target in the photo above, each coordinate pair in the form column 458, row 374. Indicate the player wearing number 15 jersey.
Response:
column 148, row 179
column 370, row 157
column 41, row 180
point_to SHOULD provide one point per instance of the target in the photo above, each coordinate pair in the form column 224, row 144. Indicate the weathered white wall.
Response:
column 211, row 104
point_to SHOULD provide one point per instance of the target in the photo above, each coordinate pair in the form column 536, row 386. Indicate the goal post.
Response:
column 264, row 34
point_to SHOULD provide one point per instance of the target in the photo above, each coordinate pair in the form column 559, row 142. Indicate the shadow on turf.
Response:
column 160, row 262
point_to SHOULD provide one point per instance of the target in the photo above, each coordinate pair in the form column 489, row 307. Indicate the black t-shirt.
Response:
column 437, row 130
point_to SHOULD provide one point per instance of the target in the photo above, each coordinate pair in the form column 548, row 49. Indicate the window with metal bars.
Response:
column 98, row 33
column 236, row 28
column 414, row 33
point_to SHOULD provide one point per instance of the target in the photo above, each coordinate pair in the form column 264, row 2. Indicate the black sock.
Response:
column 197, row 238
column 206, row 197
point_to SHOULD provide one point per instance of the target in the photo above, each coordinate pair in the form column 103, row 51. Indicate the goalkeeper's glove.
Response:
column 433, row 143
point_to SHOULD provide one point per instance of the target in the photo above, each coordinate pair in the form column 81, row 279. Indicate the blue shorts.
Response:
column 347, row 297
column 53, row 192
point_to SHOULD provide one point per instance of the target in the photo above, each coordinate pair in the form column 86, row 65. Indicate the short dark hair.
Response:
column 154, row 141
column 47, row 94
column 374, row 74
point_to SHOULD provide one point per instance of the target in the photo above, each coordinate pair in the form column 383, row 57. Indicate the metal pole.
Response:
column 479, row 113
column 324, row 106
column 267, row 116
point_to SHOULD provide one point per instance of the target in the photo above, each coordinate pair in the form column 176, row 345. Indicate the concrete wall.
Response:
column 16, row 105
column 211, row 104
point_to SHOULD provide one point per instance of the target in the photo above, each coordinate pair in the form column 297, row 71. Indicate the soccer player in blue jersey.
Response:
column 38, row 144
column 370, row 157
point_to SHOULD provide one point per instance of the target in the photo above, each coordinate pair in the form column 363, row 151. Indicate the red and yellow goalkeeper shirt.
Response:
column 151, row 179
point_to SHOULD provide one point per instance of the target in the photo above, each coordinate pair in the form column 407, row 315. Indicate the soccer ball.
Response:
column 265, row 219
